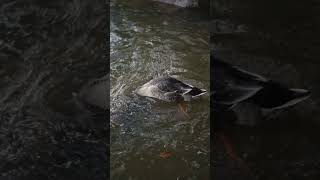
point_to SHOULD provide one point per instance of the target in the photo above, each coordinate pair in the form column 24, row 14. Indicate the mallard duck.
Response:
column 169, row 89
column 233, row 85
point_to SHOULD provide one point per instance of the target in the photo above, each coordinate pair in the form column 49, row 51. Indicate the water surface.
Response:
column 148, row 40
column 278, row 40
column 49, row 50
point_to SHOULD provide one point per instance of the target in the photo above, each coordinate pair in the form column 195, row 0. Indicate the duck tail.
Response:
column 298, row 95
column 274, row 95
column 197, row 92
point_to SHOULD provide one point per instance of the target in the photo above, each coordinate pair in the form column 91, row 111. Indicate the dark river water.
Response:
column 149, row 40
column 49, row 50
column 278, row 40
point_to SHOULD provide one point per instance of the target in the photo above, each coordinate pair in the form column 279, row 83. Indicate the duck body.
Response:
column 247, row 94
column 232, row 86
column 169, row 89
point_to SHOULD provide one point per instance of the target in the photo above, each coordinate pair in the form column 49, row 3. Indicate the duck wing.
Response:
column 232, row 85
column 170, row 84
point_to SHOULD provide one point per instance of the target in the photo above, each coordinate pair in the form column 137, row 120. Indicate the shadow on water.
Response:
column 151, row 39
column 48, row 51
column 280, row 41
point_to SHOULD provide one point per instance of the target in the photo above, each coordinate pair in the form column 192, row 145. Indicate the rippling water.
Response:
column 49, row 50
column 278, row 40
column 148, row 40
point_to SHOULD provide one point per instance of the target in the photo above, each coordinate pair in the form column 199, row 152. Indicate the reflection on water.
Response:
column 148, row 40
